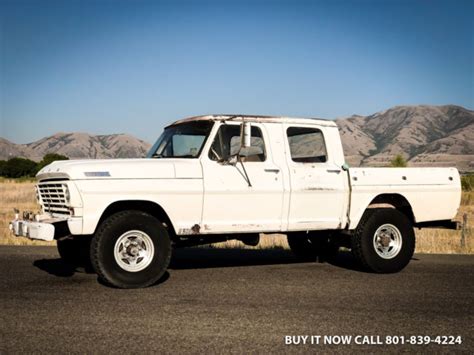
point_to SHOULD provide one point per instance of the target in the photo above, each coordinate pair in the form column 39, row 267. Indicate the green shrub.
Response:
column 467, row 182
column 2, row 166
column 18, row 167
column 398, row 162
column 26, row 168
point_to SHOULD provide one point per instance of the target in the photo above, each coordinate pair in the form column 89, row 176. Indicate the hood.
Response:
column 122, row 169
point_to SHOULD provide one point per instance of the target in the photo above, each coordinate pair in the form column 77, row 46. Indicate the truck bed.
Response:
column 433, row 193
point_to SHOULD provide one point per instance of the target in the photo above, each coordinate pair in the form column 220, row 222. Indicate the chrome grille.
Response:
column 52, row 196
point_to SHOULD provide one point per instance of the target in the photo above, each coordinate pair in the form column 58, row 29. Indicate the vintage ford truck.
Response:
column 218, row 177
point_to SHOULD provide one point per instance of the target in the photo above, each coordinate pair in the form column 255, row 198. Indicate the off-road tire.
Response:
column 312, row 246
column 75, row 251
column 105, row 238
column 362, row 240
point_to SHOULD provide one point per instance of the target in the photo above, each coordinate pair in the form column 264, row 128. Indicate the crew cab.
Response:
column 218, row 177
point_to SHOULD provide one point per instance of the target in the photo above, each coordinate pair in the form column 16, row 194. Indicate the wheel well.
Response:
column 149, row 207
column 396, row 201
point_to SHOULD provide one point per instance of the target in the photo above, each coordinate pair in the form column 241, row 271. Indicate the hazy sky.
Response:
column 104, row 67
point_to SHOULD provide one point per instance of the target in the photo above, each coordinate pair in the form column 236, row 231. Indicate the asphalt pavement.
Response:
column 236, row 301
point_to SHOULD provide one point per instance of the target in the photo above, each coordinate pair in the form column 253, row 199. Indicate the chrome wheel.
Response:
column 134, row 251
column 387, row 241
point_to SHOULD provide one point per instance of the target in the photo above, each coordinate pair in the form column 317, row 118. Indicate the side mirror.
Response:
column 245, row 135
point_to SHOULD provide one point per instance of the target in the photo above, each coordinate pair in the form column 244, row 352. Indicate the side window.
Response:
column 306, row 145
column 227, row 143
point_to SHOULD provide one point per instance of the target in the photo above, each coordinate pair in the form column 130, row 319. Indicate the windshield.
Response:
column 185, row 140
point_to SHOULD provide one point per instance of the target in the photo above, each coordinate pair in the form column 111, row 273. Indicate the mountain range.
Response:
column 424, row 135
column 78, row 146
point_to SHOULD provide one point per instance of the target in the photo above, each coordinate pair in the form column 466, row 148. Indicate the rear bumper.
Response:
column 444, row 224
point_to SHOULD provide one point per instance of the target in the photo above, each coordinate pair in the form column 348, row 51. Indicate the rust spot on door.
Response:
column 196, row 229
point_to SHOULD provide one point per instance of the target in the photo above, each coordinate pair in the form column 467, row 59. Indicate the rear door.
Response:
column 317, row 183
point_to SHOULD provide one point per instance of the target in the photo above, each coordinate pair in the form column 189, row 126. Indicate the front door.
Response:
column 246, row 196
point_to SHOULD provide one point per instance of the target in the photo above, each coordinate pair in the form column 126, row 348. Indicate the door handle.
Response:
column 274, row 170
column 337, row 171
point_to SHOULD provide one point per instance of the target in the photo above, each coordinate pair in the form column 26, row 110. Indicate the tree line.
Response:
column 22, row 167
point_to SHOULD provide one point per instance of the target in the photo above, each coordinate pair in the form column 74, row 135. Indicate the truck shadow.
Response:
column 59, row 268
column 203, row 258
column 56, row 267
column 207, row 258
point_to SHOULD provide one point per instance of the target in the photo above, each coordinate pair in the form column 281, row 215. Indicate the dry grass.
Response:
column 439, row 241
column 16, row 194
column 20, row 194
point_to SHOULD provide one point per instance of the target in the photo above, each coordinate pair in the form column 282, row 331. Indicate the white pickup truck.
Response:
column 213, row 178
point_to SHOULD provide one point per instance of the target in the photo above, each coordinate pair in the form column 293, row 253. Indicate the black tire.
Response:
column 313, row 246
column 75, row 251
column 104, row 242
column 365, row 251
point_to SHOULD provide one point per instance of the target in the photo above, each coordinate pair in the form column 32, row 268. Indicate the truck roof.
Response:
column 257, row 118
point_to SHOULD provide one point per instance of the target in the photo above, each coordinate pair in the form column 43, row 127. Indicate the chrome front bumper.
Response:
column 32, row 230
column 42, row 227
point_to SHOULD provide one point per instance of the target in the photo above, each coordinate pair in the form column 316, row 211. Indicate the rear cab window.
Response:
column 306, row 145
